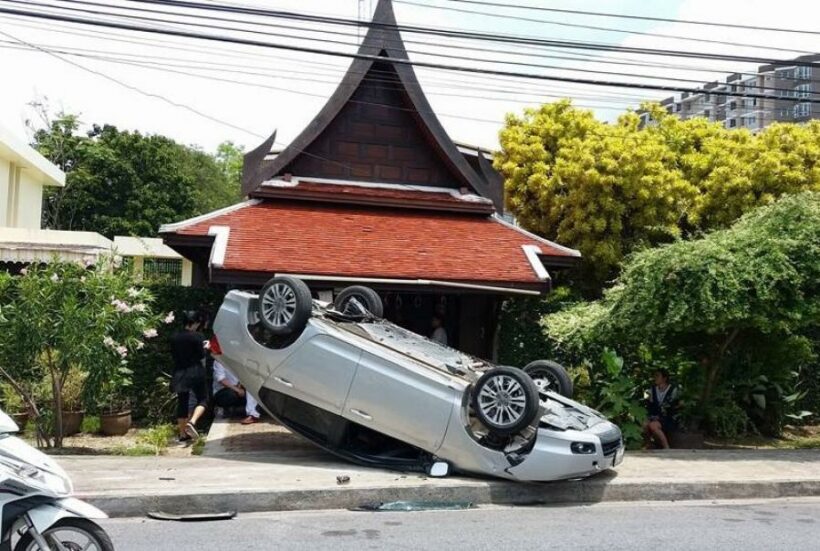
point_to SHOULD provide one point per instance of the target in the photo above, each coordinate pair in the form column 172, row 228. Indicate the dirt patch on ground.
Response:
column 803, row 437
column 130, row 443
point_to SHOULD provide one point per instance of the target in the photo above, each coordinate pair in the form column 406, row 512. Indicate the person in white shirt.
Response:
column 439, row 333
column 229, row 393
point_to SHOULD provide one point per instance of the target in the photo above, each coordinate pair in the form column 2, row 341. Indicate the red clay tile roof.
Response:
column 408, row 197
column 343, row 240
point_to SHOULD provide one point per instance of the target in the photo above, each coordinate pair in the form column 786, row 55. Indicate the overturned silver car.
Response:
column 379, row 395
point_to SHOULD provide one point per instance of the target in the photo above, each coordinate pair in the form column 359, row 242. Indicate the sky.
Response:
column 203, row 93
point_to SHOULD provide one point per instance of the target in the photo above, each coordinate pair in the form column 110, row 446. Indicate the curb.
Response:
column 500, row 493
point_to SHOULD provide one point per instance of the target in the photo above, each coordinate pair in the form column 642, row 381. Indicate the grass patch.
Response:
column 794, row 438
column 156, row 438
column 138, row 450
column 199, row 446
column 91, row 424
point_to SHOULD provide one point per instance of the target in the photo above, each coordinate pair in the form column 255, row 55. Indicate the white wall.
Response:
column 21, row 197
column 4, row 190
column 29, row 201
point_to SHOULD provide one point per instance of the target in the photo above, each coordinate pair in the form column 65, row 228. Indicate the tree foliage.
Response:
column 128, row 183
column 745, row 298
column 60, row 318
column 610, row 189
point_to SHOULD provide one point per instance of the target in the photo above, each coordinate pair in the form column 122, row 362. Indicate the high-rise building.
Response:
column 788, row 84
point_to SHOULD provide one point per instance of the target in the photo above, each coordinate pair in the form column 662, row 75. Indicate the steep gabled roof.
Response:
column 383, row 42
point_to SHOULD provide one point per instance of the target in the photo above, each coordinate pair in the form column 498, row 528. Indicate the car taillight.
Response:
column 216, row 350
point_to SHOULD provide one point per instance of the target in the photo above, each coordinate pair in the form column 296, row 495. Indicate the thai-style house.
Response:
column 374, row 191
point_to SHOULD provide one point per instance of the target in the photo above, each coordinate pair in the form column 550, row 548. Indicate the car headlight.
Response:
column 583, row 448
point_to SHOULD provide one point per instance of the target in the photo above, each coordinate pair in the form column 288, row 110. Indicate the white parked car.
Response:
column 377, row 394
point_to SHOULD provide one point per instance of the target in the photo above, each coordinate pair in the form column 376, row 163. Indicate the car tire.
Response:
column 368, row 298
column 284, row 305
column 505, row 400
column 549, row 375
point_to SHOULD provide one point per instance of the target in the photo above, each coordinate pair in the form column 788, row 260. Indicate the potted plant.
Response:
column 72, row 393
column 14, row 405
column 115, row 414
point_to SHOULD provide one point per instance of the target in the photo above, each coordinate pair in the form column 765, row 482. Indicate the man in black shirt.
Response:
column 188, row 352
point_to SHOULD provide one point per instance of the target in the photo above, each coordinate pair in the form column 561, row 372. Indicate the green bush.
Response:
column 521, row 338
column 722, row 310
column 74, row 325
column 619, row 396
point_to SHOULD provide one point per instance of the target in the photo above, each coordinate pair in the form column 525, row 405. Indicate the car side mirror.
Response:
column 439, row 469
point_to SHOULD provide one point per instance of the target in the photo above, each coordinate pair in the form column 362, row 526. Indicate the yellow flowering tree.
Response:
column 610, row 189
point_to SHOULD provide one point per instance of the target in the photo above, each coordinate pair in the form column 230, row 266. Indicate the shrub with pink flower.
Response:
column 98, row 316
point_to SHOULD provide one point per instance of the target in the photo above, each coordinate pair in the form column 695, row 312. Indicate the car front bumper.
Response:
column 551, row 457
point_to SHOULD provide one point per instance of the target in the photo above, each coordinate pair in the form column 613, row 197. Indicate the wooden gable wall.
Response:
column 378, row 137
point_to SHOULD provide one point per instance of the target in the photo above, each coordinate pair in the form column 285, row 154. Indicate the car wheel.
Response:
column 549, row 375
column 505, row 400
column 365, row 296
column 284, row 304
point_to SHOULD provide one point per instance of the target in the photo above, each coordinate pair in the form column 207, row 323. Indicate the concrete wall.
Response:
column 29, row 201
column 4, row 191
column 21, row 196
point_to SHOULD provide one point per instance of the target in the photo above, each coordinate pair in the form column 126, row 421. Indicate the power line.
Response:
column 638, row 17
column 598, row 28
column 518, row 39
column 302, row 92
column 336, row 69
column 397, row 61
column 596, row 58
column 343, row 43
column 379, row 83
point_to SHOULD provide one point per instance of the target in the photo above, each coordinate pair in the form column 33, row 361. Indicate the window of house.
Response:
column 707, row 113
column 165, row 270
column 802, row 110
column 732, row 123
column 802, row 73
column 803, row 90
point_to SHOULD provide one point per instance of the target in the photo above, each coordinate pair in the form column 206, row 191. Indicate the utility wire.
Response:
column 518, row 39
column 598, row 28
column 397, row 61
column 594, row 58
column 159, row 96
column 335, row 69
column 385, row 84
column 339, row 42
column 634, row 17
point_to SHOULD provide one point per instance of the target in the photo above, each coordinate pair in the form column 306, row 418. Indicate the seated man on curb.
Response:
column 661, row 406
column 229, row 394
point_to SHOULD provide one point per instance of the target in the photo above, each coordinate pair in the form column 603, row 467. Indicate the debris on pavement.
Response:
column 420, row 505
column 160, row 515
column 342, row 479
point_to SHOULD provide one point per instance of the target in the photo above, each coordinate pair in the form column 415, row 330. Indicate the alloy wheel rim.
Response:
column 279, row 304
column 502, row 400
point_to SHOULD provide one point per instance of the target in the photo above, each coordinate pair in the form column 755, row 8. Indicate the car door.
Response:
column 399, row 398
column 319, row 372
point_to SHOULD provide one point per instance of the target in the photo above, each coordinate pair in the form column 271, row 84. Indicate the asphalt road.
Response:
column 773, row 524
